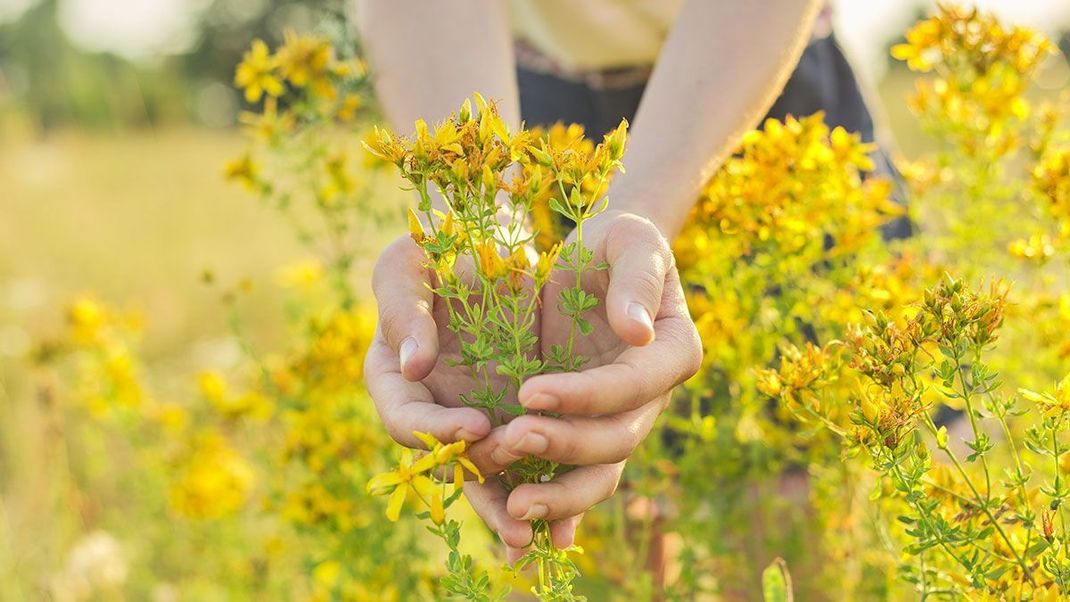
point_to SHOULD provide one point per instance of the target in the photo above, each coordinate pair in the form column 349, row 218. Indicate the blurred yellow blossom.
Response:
column 214, row 481
column 257, row 73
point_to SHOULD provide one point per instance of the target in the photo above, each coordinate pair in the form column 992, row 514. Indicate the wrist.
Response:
column 653, row 206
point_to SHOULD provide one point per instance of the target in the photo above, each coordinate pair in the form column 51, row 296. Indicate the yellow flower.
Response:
column 546, row 263
column 304, row 274
column 347, row 109
column 491, row 264
column 171, row 416
column 304, row 60
column 1057, row 401
column 256, row 73
column 212, row 386
column 87, row 317
column 416, row 229
column 1038, row 248
column 444, row 453
column 216, row 480
column 326, row 573
column 269, row 125
column 244, row 170
column 382, row 145
column 339, row 182
column 407, row 477
column 614, row 142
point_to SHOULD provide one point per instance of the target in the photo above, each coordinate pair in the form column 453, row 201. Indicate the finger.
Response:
column 490, row 454
column 563, row 532
column 400, row 282
column 513, row 554
column 639, row 259
column 407, row 406
column 567, row 495
column 636, row 376
column 578, row 440
column 488, row 499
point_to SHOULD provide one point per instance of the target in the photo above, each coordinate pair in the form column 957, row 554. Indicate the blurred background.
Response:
column 116, row 117
column 116, row 120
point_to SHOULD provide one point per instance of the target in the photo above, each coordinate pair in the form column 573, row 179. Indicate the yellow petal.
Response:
column 458, row 476
column 416, row 231
column 424, row 486
column 424, row 464
column 428, row 439
column 378, row 483
column 393, row 507
column 438, row 513
column 467, row 464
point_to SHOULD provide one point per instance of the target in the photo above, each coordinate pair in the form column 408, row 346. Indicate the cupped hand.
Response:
column 407, row 368
column 643, row 344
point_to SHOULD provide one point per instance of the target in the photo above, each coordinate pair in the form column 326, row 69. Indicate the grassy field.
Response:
column 136, row 219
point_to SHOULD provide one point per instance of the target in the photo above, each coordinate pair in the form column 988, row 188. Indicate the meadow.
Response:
column 183, row 314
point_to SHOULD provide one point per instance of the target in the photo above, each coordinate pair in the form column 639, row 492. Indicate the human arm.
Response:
column 722, row 67
column 428, row 56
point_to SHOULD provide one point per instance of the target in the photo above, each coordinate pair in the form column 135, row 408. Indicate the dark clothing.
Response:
column 822, row 81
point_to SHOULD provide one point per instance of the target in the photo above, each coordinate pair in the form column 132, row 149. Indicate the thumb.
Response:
column 401, row 286
column 639, row 259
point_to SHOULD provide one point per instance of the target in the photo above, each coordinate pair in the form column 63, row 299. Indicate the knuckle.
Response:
column 588, row 394
column 568, row 443
column 392, row 326
column 693, row 358
column 688, row 345
column 398, row 434
column 628, row 229
column 647, row 285
column 640, row 391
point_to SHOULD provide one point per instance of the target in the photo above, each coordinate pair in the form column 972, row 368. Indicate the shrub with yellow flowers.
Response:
column 785, row 259
column 969, row 501
column 264, row 463
column 783, row 251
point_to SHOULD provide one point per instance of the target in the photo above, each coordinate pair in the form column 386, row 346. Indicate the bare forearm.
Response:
column 721, row 69
column 428, row 56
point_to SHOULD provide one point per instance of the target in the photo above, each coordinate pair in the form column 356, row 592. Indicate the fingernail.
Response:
column 639, row 314
column 540, row 401
column 500, row 455
column 462, row 434
column 536, row 511
column 408, row 348
column 532, row 443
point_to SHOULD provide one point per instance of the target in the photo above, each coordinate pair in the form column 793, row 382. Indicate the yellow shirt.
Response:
column 595, row 34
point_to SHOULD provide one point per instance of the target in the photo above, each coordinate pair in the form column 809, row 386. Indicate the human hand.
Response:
column 406, row 370
column 642, row 345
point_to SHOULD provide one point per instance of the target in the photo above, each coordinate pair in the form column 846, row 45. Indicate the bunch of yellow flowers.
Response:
column 480, row 247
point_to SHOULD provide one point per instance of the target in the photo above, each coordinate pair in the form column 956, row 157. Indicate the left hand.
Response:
column 643, row 345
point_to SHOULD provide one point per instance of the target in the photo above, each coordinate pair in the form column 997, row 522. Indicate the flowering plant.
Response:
column 488, row 287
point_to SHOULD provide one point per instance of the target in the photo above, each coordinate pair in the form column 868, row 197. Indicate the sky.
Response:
column 144, row 28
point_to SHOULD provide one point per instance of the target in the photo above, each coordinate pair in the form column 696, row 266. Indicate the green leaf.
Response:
column 776, row 582
column 556, row 206
column 513, row 408
column 584, row 326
